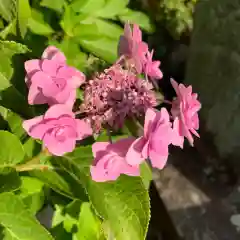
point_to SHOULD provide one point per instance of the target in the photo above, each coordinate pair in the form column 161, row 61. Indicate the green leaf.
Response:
column 112, row 8
column 88, row 225
column 108, row 29
column 8, row 9
column 146, row 174
column 104, row 48
column 15, row 125
column 87, row 6
column 19, row 222
column 54, row 181
column 31, row 148
column 11, row 151
column 24, row 13
column 37, row 24
column 86, row 31
column 7, row 50
column 9, row 179
column 10, row 97
column 139, row 18
column 9, row 29
column 32, row 193
column 56, row 5
column 123, row 203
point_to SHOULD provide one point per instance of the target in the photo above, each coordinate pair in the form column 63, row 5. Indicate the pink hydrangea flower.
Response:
column 132, row 46
column 51, row 80
column 58, row 129
column 109, row 162
column 151, row 68
column 184, row 110
column 158, row 135
column 114, row 95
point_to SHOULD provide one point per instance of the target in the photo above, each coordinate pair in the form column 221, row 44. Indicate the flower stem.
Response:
column 34, row 163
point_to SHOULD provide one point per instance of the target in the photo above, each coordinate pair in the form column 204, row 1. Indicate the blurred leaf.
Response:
column 59, row 233
column 104, row 48
column 19, row 222
column 31, row 193
column 11, row 151
column 10, row 28
column 86, row 31
column 128, row 195
column 139, row 18
column 67, row 22
column 1, row 23
column 87, row 6
column 8, row 9
column 53, row 4
column 108, row 29
column 88, row 224
column 24, row 13
column 37, row 24
column 9, row 179
column 112, row 8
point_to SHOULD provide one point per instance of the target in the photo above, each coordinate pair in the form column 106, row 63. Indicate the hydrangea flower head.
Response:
column 51, row 80
column 114, row 95
column 184, row 110
column 58, row 129
column 109, row 162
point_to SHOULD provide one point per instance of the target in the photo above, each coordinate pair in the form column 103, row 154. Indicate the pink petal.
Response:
column 37, row 131
column 28, row 124
column 121, row 146
column 175, row 86
column 99, row 175
column 130, row 170
column 65, row 96
column 195, row 132
column 157, row 160
column 83, row 129
column 134, row 153
column 58, row 110
column 32, row 65
column 35, row 96
column 99, row 146
column 56, row 147
column 74, row 77
column 71, row 98
column 137, row 34
column 50, row 67
column 53, row 53
column 177, row 139
column 123, row 46
column 127, row 31
column 164, row 115
column 145, row 150
column 149, row 119
column 43, row 81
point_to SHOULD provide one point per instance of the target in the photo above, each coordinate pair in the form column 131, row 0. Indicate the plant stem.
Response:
column 34, row 163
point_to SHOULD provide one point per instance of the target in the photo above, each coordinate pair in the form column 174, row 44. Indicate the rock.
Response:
column 214, row 71
column 200, row 209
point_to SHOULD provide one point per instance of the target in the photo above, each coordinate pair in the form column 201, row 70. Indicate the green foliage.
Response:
column 175, row 15
column 18, row 222
column 87, row 31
